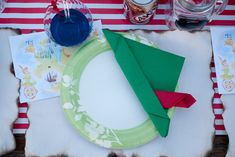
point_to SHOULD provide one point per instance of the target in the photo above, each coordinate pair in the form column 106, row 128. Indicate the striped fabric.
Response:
column 27, row 15
column 22, row 123
column 217, row 104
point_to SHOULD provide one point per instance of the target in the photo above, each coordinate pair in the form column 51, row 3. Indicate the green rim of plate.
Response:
column 78, row 117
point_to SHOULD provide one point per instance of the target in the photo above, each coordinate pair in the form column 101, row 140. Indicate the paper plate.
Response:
column 100, row 103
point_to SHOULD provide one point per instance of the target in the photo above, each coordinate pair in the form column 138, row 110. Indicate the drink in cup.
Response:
column 69, row 26
column 139, row 11
column 192, row 15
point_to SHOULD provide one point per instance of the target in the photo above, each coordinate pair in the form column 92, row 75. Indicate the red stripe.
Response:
column 21, row 126
column 213, row 74
column 22, row 115
column 28, row 1
column 228, row 12
column 218, row 116
column 24, row 10
column 219, row 127
column 217, row 95
column 215, row 85
column 125, row 21
column 222, row 22
column 27, row 31
column 212, row 64
column 21, row 21
column 231, row 2
column 22, row 105
column 218, row 106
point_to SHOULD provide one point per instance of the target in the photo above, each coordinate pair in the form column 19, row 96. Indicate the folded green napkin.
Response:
column 147, row 68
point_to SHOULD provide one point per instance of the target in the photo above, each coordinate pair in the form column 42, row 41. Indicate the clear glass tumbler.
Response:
column 2, row 5
column 192, row 14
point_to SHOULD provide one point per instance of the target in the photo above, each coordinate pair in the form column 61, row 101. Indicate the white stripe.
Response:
column 219, row 122
column 22, row 15
column 213, row 69
column 214, row 79
column 23, row 110
column 165, row 6
column 23, row 26
column 217, row 101
column 216, row 90
column 128, row 27
column 22, row 121
column 206, row 27
column 106, row 6
column 19, row 131
column 220, row 132
column 218, row 111
column 121, row 16
column 108, row 16
column 230, row 7
column 224, row 17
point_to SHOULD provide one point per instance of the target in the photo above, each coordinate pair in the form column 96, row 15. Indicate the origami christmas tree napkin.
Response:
column 147, row 68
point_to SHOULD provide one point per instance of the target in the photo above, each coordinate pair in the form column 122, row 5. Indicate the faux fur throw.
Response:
column 191, row 130
column 8, row 94
column 229, row 121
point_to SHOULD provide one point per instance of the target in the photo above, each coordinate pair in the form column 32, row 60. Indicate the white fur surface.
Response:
column 229, row 121
column 191, row 130
column 8, row 94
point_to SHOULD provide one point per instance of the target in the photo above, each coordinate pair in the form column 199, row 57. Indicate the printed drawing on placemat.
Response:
column 223, row 42
column 27, row 84
column 39, row 63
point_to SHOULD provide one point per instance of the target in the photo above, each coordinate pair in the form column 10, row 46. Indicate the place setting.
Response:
column 93, row 91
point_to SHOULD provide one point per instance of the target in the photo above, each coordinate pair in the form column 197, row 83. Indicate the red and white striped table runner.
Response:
column 217, row 104
column 27, row 15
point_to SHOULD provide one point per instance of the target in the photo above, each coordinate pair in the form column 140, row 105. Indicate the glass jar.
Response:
column 192, row 14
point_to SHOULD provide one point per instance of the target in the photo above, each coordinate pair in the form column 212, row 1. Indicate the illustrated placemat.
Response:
column 39, row 63
column 223, row 39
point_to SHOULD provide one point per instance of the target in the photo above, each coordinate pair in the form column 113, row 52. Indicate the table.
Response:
column 28, row 16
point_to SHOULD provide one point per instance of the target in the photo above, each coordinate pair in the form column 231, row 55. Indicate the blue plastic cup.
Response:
column 69, row 26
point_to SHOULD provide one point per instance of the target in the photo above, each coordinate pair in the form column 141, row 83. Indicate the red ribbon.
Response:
column 54, row 5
